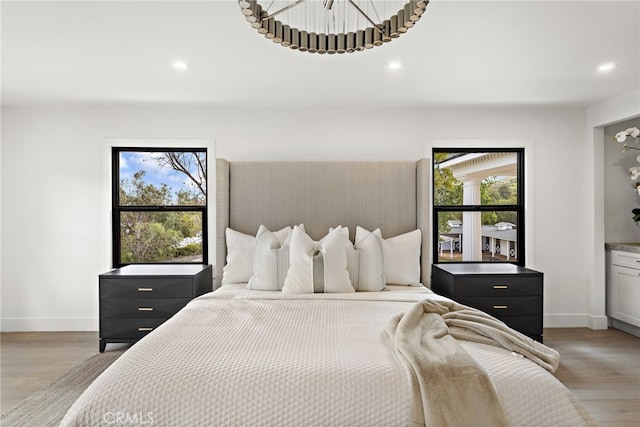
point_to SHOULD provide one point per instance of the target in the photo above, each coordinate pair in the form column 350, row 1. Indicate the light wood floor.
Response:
column 30, row 361
column 602, row 368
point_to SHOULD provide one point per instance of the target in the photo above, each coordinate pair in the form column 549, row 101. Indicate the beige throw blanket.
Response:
column 450, row 388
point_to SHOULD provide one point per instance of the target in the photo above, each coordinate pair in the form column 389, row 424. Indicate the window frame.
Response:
column 117, row 209
column 519, row 207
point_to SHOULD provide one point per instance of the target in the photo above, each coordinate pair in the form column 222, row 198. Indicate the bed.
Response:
column 298, row 349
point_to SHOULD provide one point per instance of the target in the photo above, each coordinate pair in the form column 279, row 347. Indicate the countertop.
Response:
column 625, row 247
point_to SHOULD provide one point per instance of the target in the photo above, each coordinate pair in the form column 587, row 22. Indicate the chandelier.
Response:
column 332, row 26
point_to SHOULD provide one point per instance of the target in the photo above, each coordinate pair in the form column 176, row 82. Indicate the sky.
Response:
column 132, row 162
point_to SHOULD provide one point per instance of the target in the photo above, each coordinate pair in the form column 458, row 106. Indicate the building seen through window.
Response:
column 478, row 205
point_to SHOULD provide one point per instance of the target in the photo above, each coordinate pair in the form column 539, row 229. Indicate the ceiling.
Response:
column 471, row 53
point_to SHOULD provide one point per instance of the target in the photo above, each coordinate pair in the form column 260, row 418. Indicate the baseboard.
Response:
column 598, row 322
column 625, row 327
column 41, row 324
column 575, row 321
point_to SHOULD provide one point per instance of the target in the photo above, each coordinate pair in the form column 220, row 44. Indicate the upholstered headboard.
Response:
column 392, row 196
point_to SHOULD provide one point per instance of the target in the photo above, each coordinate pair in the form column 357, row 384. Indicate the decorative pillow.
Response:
column 365, row 260
column 331, row 274
column 270, row 260
column 366, row 257
column 239, row 257
column 239, row 266
column 402, row 258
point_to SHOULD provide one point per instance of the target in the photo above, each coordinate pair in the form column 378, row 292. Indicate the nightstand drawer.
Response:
column 505, row 306
column 128, row 328
column 143, row 308
column 498, row 286
column 162, row 287
column 528, row 325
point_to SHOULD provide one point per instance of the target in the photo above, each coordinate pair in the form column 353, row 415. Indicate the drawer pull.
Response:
column 145, row 289
column 145, row 329
column 145, row 308
column 500, row 287
column 500, row 306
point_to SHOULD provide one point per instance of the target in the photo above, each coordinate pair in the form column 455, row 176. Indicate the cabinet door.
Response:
column 624, row 301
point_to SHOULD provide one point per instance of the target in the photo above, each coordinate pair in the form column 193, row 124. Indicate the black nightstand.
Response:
column 508, row 292
column 136, row 299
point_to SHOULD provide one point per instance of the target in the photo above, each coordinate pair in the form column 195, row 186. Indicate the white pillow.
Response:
column 303, row 253
column 270, row 260
column 366, row 258
column 402, row 258
column 239, row 265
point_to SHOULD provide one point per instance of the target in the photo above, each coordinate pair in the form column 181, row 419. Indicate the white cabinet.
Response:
column 623, row 277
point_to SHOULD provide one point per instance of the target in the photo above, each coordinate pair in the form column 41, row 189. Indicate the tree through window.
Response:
column 159, row 206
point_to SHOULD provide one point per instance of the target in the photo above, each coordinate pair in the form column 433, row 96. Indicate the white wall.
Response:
column 55, row 243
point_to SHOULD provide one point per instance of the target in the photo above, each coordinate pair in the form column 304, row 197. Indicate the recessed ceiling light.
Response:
column 395, row 65
column 179, row 65
column 607, row 66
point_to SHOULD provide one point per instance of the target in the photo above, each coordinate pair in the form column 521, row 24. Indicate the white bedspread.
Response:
column 237, row 357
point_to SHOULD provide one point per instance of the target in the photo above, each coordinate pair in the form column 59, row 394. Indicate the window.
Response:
column 159, row 206
column 478, row 205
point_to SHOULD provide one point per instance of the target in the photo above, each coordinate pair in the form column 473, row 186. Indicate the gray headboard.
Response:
column 392, row 196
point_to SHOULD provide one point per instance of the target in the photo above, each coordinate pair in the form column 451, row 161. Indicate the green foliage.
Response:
column 189, row 250
column 134, row 192
column 185, row 197
column 147, row 242
column 155, row 236
column 503, row 192
column 448, row 191
column 486, row 199
column 188, row 224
